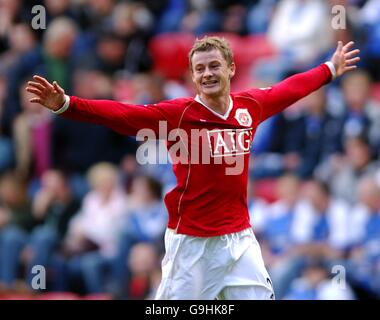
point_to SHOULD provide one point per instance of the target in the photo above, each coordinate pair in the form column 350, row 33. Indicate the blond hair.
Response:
column 60, row 28
column 102, row 173
column 212, row 43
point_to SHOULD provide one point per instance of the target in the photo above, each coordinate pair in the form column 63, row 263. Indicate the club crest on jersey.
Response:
column 243, row 117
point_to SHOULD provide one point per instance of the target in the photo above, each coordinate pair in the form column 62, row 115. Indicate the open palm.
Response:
column 343, row 59
column 51, row 96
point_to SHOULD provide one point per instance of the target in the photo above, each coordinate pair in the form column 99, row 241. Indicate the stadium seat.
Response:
column 266, row 189
column 169, row 52
column 247, row 49
column 252, row 48
column 242, row 81
column 233, row 38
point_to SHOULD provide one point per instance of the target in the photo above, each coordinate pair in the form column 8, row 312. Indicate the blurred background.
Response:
column 74, row 200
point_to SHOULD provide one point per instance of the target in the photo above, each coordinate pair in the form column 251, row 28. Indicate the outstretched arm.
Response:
column 51, row 96
column 124, row 118
column 274, row 99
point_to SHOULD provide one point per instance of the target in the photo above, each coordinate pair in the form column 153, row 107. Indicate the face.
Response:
column 288, row 189
column 140, row 189
column 53, row 182
column 211, row 73
column 358, row 153
column 312, row 193
column 356, row 90
column 11, row 191
column 316, row 102
column 368, row 192
column 142, row 258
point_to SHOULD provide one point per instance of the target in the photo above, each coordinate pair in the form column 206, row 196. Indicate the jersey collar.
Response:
column 224, row 116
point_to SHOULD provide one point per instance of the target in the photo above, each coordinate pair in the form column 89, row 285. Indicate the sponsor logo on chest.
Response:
column 229, row 142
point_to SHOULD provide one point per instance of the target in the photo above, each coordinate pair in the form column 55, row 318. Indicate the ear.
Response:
column 232, row 68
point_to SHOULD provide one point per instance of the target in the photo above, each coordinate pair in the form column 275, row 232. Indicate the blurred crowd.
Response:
column 74, row 199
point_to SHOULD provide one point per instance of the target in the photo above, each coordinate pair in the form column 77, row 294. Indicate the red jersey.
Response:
column 210, row 151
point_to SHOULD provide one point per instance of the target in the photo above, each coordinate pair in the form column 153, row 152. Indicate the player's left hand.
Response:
column 343, row 59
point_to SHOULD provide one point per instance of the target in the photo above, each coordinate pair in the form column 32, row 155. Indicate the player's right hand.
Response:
column 51, row 96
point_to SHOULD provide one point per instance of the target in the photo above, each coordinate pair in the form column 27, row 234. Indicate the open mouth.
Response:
column 209, row 83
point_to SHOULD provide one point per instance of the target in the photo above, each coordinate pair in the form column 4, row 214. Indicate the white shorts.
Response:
column 224, row 267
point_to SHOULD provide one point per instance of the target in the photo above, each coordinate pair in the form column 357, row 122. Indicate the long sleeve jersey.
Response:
column 210, row 151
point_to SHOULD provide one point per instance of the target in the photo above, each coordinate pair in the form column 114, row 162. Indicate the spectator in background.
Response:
column 16, row 222
column 92, row 238
column 257, row 209
column 276, row 234
column 321, row 135
column 259, row 15
column 170, row 18
column 58, row 41
column 52, row 59
column 328, row 231
column 129, row 170
column 300, row 30
column 319, row 230
column 74, row 150
column 133, row 23
column 364, row 255
column 315, row 284
column 234, row 19
column 149, row 88
column 32, row 134
column 377, row 172
column 8, row 15
column 144, row 267
column 145, row 222
column 53, row 206
column 6, row 144
column 202, row 17
column 343, row 174
column 108, row 57
column 362, row 116
column 120, row 40
column 21, row 40
column 369, row 17
column 59, row 8
column 303, row 137
column 95, row 14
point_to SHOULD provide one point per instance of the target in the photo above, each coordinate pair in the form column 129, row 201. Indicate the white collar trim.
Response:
column 224, row 116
